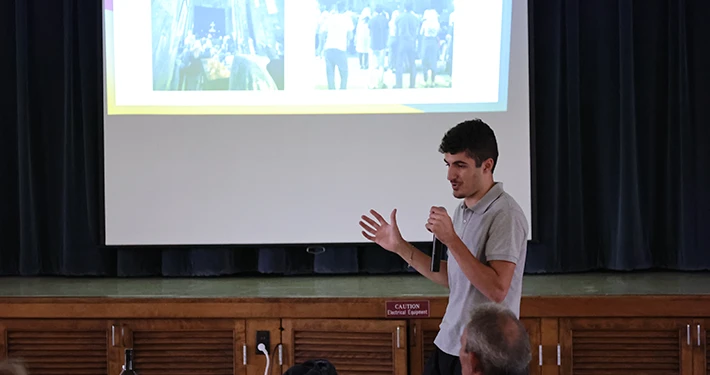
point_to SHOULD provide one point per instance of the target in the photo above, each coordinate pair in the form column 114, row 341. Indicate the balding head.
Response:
column 495, row 342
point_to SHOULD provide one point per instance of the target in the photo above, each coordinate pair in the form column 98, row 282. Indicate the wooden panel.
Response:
column 257, row 362
column 338, row 308
column 549, row 339
column 59, row 346
column 631, row 306
column 189, row 347
column 428, row 337
column 421, row 342
column 354, row 347
column 532, row 326
column 625, row 346
column 701, row 353
column 197, row 308
column 616, row 314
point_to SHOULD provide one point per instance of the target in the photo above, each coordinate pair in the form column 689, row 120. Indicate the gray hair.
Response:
column 499, row 340
column 12, row 367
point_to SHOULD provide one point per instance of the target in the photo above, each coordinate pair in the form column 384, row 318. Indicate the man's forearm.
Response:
column 421, row 262
column 484, row 278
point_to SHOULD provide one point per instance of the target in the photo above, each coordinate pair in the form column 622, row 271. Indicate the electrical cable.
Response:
column 279, row 350
column 262, row 348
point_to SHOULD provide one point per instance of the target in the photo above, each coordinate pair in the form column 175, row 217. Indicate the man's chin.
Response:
column 459, row 195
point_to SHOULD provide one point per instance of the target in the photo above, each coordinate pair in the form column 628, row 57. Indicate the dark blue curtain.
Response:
column 621, row 119
column 621, row 105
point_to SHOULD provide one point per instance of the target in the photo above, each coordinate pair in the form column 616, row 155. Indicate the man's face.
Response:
column 464, row 176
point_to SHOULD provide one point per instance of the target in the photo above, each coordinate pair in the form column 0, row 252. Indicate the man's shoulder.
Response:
column 506, row 202
column 507, row 229
column 507, row 207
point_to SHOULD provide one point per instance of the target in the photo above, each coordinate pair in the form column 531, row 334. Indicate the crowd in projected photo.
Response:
column 380, row 44
column 218, row 44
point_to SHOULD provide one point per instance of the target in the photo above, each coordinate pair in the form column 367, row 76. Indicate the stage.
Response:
column 576, row 285
column 631, row 323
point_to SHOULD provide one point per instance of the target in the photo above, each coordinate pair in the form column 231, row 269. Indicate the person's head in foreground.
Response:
column 12, row 367
column 494, row 342
column 313, row 367
column 471, row 152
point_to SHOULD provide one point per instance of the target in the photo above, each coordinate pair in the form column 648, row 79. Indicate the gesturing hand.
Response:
column 381, row 232
column 441, row 225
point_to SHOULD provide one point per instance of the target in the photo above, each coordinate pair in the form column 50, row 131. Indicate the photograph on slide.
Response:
column 306, row 56
column 229, row 45
column 382, row 44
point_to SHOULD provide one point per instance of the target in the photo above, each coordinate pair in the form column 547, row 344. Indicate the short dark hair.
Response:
column 313, row 367
column 499, row 340
column 475, row 138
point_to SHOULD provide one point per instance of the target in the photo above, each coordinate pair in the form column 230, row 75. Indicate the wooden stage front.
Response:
column 594, row 323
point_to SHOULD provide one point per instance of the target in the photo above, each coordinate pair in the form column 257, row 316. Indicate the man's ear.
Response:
column 488, row 165
column 475, row 363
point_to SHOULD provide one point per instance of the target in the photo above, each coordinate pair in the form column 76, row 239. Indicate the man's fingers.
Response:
column 371, row 222
column 368, row 228
column 433, row 218
column 393, row 217
column 369, row 237
column 438, row 215
column 378, row 217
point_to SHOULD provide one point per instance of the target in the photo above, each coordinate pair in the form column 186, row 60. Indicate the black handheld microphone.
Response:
column 437, row 253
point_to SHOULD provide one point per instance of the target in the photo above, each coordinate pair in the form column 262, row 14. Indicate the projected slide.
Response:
column 306, row 56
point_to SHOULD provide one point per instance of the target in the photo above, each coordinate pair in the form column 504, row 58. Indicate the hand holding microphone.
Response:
column 440, row 224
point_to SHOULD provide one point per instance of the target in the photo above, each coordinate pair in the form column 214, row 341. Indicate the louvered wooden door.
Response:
column 625, row 346
column 421, row 342
column 355, row 347
column 424, row 331
column 58, row 347
column 186, row 347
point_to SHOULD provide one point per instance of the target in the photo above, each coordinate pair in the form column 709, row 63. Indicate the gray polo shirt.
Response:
column 495, row 228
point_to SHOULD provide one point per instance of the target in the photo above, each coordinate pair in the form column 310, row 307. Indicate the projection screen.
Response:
column 282, row 121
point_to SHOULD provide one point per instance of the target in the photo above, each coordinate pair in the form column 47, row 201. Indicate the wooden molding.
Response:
column 337, row 308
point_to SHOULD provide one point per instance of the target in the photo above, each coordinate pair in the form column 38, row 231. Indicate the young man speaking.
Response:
column 486, row 239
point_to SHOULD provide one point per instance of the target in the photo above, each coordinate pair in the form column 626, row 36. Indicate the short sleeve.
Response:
column 507, row 236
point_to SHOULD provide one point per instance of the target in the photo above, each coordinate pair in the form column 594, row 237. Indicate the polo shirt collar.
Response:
column 482, row 205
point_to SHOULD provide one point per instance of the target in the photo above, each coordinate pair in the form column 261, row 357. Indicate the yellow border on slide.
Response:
column 113, row 109
column 257, row 110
